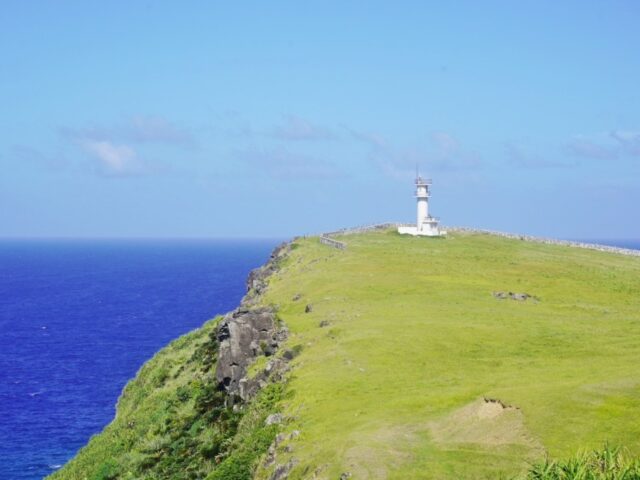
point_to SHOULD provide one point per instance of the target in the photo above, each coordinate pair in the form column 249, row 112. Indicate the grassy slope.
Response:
column 415, row 335
column 171, row 422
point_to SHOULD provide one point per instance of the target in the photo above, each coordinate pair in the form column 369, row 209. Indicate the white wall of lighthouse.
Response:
column 422, row 196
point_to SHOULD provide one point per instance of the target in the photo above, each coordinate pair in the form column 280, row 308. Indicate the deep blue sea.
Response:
column 77, row 320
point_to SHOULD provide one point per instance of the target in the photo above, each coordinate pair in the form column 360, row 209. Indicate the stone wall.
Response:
column 550, row 241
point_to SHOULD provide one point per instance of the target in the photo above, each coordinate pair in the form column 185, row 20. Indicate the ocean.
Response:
column 79, row 318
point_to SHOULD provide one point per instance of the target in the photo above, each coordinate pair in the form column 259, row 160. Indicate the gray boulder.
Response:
column 243, row 335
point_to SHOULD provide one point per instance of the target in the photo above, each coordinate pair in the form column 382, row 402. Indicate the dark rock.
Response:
column 257, row 279
column 223, row 332
column 281, row 437
column 345, row 476
column 324, row 323
column 244, row 334
column 308, row 308
column 289, row 355
column 270, row 458
column 274, row 371
column 274, row 419
column 282, row 471
column 520, row 297
column 296, row 297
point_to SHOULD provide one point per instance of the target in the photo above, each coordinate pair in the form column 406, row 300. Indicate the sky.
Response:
column 274, row 119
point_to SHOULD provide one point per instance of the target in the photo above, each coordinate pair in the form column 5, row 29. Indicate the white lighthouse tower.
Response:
column 426, row 225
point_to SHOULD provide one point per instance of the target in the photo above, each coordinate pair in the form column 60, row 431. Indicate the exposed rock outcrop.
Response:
column 520, row 297
column 274, row 372
column 257, row 280
column 243, row 335
column 282, row 471
column 249, row 332
column 274, row 419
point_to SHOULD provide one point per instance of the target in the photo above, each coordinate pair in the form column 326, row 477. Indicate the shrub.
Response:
column 107, row 471
column 610, row 463
column 160, row 376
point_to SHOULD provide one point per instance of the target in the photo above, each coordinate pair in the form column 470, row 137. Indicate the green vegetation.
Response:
column 407, row 366
column 606, row 464
column 393, row 386
column 172, row 423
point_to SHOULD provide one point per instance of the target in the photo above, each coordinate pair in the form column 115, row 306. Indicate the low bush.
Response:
column 610, row 463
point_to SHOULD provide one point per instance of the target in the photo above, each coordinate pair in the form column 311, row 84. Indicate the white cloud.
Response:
column 115, row 150
column 113, row 159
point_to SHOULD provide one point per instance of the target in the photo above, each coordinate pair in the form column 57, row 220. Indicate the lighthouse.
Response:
column 426, row 225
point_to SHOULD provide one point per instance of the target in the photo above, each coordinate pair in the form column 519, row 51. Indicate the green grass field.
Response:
column 394, row 385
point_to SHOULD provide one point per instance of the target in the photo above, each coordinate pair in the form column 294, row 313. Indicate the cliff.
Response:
column 397, row 357
column 193, row 411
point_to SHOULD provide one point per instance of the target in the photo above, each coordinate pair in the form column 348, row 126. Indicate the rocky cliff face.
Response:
column 257, row 280
column 248, row 332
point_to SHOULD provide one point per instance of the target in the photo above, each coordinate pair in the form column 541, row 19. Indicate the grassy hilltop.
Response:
column 394, row 384
column 409, row 368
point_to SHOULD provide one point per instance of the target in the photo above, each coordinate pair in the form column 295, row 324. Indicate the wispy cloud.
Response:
column 34, row 156
column 629, row 141
column 282, row 164
column 521, row 157
column 115, row 150
column 374, row 140
column 137, row 130
column 297, row 128
column 445, row 142
column 616, row 144
column 586, row 148
column 155, row 129
column 443, row 152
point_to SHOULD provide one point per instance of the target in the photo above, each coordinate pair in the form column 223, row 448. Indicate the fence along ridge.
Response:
column 325, row 238
column 550, row 241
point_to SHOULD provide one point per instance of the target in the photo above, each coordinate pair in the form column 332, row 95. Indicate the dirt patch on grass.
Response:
column 486, row 423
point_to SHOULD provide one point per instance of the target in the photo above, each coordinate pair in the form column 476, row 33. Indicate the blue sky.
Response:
column 202, row 119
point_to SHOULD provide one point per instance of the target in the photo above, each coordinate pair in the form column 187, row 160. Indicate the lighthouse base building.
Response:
column 426, row 225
